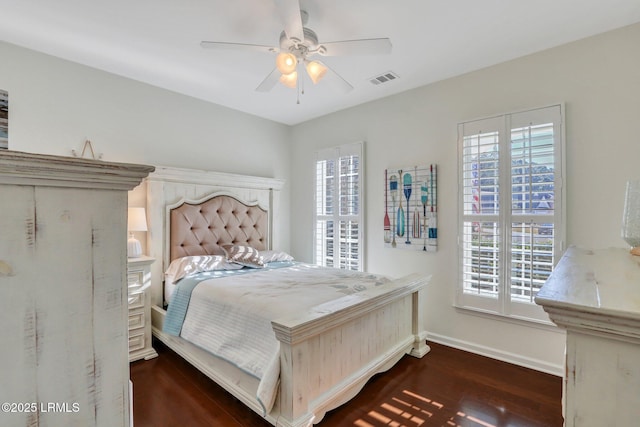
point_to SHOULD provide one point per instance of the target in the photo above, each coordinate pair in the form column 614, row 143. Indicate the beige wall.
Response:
column 54, row 105
column 599, row 82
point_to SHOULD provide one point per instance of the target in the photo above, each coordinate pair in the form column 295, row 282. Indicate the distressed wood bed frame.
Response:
column 328, row 353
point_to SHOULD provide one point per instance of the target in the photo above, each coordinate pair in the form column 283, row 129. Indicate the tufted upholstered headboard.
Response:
column 186, row 192
column 200, row 227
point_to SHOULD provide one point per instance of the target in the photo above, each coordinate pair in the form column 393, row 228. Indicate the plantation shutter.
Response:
column 511, row 222
column 338, row 213
column 536, row 204
column 481, row 233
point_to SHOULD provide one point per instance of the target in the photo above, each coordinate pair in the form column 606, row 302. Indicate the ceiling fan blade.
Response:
column 269, row 82
column 357, row 47
column 291, row 16
column 337, row 80
column 238, row 46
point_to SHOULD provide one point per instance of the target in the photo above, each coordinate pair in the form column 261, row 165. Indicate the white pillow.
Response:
column 271, row 256
column 188, row 265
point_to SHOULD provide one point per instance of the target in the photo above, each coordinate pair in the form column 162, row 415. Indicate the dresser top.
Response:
column 602, row 282
column 140, row 261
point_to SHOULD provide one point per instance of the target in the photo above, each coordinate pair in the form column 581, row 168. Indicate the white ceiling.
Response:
column 157, row 42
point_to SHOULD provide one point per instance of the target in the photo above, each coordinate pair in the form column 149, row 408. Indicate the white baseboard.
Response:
column 515, row 359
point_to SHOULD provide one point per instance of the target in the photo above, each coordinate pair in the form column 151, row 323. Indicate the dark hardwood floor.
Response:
column 447, row 387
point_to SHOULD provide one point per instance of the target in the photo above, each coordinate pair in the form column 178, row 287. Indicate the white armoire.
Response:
column 63, row 290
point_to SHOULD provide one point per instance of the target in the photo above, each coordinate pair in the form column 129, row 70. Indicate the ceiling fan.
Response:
column 298, row 46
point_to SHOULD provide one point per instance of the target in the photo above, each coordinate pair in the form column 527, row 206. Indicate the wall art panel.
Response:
column 411, row 208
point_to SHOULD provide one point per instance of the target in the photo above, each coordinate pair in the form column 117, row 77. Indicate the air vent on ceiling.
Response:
column 383, row 78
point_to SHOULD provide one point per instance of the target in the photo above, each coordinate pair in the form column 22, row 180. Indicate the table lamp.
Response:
column 136, row 221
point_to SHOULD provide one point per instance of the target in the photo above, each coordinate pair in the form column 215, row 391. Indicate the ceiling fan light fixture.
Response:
column 286, row 63
column 289, row 80
column 297, row 44
column 316, row 70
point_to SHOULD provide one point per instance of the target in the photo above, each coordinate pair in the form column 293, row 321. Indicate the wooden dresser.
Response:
column 139, row 283
column 595, row 296
column 63, row 293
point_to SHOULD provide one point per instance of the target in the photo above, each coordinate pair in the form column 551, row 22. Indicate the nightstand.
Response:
column 139, row 281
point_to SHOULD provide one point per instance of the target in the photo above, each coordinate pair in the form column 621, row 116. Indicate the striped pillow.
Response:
column 243, row 255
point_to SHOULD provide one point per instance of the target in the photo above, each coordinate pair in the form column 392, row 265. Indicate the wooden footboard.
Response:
column 329, row 353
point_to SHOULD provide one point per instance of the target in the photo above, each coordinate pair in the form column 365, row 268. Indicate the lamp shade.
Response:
column 631, row 217
column 316, row 70
column 137, row 219
column 286, row 62
column 289, row 80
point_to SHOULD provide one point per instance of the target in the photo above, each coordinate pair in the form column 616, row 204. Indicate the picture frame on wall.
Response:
column 4, row 119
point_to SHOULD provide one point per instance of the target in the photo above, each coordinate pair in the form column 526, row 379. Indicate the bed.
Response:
column 326, row 352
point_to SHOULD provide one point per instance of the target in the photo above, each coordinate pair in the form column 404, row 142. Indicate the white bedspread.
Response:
column 231, row 316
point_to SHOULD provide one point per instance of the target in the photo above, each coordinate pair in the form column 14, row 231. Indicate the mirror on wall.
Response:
column 4, row 119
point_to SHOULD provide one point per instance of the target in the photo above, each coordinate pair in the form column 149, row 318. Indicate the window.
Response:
column 511, row 199
column 338, row 214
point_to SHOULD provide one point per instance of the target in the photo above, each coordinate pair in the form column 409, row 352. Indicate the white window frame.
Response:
column 503, row 304
column 319, row 248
